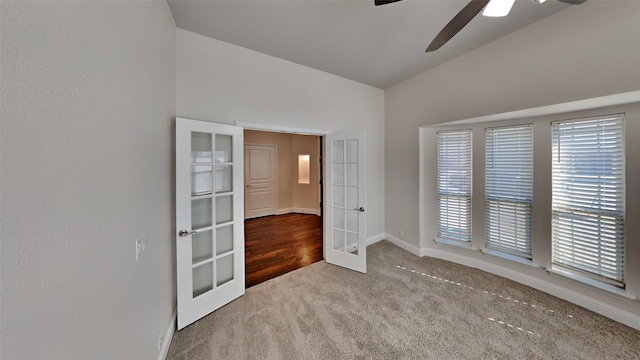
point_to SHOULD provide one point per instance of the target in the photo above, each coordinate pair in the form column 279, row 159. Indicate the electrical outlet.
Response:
column 160, row 340
column 401, row 235
column 141, row 243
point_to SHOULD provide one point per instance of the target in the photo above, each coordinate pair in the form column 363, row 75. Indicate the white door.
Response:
column 345, row 217
column 260, row 180
column 209, row 217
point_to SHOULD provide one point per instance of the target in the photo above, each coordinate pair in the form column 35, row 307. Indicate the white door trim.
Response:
column 281, row 128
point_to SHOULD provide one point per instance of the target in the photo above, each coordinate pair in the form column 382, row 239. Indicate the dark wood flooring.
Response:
column 275, row 245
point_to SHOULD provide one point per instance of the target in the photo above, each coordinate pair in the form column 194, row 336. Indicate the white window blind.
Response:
column 454, row 185
column 509, row 189
column 588, row 197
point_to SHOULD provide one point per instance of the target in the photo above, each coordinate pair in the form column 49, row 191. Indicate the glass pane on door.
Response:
column 352, row 197
column 338, row 151
column 224, row 177
column 352, row 243
column 201, row 213
column 352, row 174
column 201, row 148
column 224, row 148
column 224, row 209
column 338, row 240
column 201, row 180
column 351, row 153
column 224, row 270
column 202, row 279
column 338, row 218
column 352, row 220
column 224, row 239
column 338, row 196
column 201, row 246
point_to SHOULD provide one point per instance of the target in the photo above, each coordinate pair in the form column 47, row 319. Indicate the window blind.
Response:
column 454, row 185
column 509, row 189
column 588, row 197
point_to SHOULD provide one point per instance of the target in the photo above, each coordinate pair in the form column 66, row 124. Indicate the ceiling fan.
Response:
column 494, row 8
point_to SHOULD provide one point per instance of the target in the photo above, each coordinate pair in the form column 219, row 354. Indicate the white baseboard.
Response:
column 284, row 211
column 374, row 239
column 298, row 211
column 164, row 350
column 403, row 244
column 307, row 211
column 592, row 304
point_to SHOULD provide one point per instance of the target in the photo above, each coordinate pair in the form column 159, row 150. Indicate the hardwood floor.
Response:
column 275, row 245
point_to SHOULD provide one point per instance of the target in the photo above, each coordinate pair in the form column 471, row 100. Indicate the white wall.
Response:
column 225, row 83
column 583, row 52
column 88, row 101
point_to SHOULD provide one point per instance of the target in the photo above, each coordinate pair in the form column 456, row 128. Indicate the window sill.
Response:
column 607, row 289
column 511, row 258
column 455, row 243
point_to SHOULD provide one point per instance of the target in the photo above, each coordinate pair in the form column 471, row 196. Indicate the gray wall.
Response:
column 583, row 52
column 88, row 101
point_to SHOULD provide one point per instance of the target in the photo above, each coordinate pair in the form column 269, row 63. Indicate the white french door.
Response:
column 345, row 217
column 209, row 217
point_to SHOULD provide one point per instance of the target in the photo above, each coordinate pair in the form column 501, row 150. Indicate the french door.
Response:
column 209, row 217
column 345, row 205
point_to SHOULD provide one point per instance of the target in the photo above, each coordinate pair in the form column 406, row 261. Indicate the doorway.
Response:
column 210, row 251
column 283, row 192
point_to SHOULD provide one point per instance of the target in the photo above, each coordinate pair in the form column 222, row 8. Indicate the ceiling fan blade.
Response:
column 573, row 2
column 385, row 2
column 457, row 23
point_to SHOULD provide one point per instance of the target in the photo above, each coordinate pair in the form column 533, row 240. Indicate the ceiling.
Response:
column 375, row 45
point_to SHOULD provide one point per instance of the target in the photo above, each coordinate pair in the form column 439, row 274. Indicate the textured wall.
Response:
column 88, row 101
column 224, row 83
column 583, row 52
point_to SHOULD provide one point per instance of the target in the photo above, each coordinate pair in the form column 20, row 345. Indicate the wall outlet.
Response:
column 141, row 243
column 401, row 233
column 160, row 340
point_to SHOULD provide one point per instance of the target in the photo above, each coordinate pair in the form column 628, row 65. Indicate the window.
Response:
column 509, row 189
column 454, row 185
column 588, row 197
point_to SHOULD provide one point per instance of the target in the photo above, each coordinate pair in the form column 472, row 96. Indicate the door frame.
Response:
column 300, row 131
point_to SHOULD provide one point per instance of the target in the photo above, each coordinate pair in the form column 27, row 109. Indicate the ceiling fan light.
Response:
column 498, row 8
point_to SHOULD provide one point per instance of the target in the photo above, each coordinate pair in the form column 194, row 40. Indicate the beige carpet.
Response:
column 405, row 307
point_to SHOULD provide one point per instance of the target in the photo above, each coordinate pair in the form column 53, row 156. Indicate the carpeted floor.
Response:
column 405, row 307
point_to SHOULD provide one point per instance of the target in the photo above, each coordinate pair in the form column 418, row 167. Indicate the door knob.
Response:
column 361, row 209
column 184, row 233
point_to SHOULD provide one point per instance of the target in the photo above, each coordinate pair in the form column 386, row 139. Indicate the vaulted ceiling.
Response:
column 376, row 45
